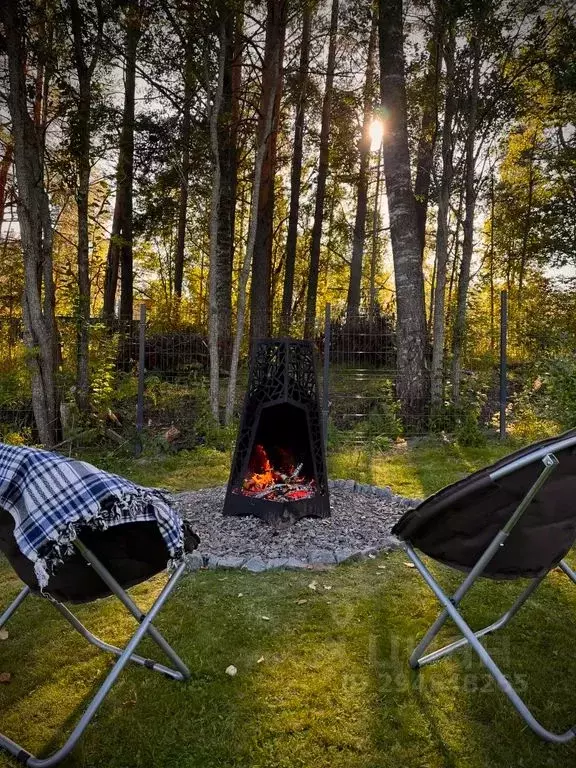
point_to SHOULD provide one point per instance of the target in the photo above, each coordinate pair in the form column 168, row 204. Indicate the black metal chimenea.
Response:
column 279, row 467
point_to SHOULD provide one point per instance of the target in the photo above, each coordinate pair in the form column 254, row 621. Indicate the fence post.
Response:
column 503, row 360
column 326, row 376
column 141, row 357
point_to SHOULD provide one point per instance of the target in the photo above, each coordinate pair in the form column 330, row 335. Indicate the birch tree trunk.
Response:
column 40, row 337
column 316, row 241
column 359, row 236
column 260, row 305
column 296, row 170
column 468, row 226
column 412, row 379
column 442, row 231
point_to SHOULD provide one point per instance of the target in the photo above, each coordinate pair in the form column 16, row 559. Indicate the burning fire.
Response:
column 282, row 483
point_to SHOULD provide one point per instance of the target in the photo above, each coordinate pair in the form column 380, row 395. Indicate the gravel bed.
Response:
column 362, row 517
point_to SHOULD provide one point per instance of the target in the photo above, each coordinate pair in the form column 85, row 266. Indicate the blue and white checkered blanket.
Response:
column 51, row 498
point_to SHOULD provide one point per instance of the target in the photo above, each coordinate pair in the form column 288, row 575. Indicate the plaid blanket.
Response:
column 51, row 498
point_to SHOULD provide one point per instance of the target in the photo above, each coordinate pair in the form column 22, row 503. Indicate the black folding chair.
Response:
column 512, row 520
column 105, row 563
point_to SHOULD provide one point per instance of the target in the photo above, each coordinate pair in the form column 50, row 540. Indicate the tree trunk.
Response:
column 228, row 140
column 5, row 166
column 468, row 228
column 185, row 161
column 527, row 219
column 412, row 380
column 252, row 226
column 373, row 302
column 296, row 171
column 359, row 236
column 260, row 305
column 213, row 318
column 41, row 336
column 120, row 248
column 442, row 232
column 429, row 126
column 310, row 321
column 81, row 151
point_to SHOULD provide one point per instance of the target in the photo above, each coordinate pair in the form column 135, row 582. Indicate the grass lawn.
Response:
column 323, row 682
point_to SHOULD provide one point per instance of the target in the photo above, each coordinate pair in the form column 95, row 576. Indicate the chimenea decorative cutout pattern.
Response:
column 279, row 467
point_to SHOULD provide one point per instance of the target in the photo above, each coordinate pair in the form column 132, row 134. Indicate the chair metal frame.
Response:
column 125, row 655
column 450, row 604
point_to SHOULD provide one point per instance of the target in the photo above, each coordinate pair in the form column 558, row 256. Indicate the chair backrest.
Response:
column 456, row 525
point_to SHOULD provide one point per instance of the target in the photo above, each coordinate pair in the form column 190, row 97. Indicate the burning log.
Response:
column 284, row 484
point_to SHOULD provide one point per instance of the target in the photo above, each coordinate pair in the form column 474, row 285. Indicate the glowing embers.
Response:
column 281, row 479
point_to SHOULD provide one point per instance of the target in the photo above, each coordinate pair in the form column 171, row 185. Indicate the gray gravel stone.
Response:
column 342, row 555
column 361, row 519
column 321, row 557
column 255, row 565
column 229, row 561
column 194, row 561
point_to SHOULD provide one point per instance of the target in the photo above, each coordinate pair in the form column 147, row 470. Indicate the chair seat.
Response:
column 132, row 553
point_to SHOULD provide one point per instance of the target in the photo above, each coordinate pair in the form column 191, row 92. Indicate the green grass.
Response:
column 323, row 683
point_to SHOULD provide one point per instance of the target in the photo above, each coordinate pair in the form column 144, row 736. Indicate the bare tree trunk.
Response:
column 492, row 302
column 412, row 379
column 214, row 219
column 468, row 228
column 228, row 138
column 252, row 226
column 310, row 321
column 527, row 219
column 260, row 305
column 359, row 236
column 120, row 248
column 372, row 306
column 41, row 336
column 81, row 151
column 185, row 163
column 442, row 232
column 5, row 166
column 429, row 125
column 296, row 171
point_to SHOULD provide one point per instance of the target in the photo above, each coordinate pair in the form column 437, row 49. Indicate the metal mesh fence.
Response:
column 356, row 364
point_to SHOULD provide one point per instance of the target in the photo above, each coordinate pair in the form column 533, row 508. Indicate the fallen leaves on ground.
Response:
column 5, row 677
column 4, row 634
column 231, row 670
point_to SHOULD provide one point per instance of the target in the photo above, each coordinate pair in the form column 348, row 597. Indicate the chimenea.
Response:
column 279, row 467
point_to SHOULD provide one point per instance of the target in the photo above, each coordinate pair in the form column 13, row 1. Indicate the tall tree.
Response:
column 412, row 381
column 80, row 144
column 41, row 337
column 429, row 123
column 296, row 170
column 185, row 133
column 359, row 236
column 260, row 305
column 323, row 163
column 120, row 247
column 228, row 126
column 442, row 230
column 213, row 309
column 469, row 211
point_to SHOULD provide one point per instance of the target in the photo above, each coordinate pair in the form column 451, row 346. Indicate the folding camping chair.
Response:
column 133, row 552
column 512, row 520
